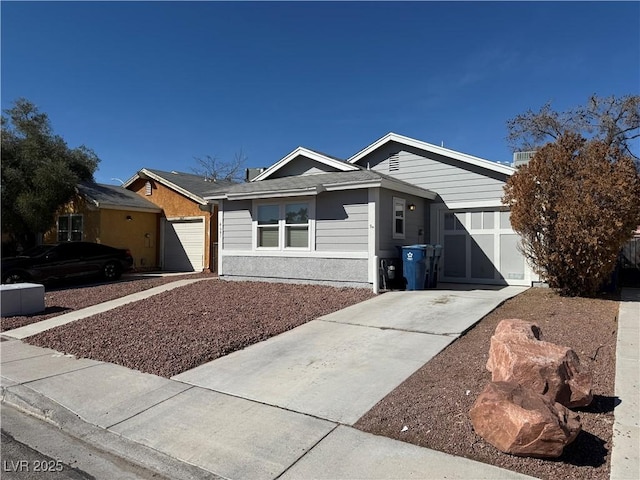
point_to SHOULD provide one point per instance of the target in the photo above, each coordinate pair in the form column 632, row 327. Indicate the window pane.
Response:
column 297, row 213
column 76, row 236
column 448, row 221
column 62, row 236
column 76, row 222
column 268, row 236
column 268, row 214
column 399, row 225
column 297, row 237
column 63, row 223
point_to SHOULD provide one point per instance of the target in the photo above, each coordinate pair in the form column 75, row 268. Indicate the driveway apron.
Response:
column 339, row 366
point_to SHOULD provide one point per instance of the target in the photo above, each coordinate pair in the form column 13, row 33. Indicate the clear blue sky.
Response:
column 155, row 84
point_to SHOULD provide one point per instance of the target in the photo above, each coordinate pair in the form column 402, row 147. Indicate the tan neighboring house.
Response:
column 110, row 215
column 188, row 224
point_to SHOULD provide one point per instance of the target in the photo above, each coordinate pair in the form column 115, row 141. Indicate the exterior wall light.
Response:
column 411, row 207
column 129, row 218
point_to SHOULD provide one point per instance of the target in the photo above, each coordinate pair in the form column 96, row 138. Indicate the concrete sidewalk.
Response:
column 278, row 409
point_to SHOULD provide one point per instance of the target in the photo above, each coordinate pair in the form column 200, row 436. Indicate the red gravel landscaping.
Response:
column 180, row 329
column 60, row 299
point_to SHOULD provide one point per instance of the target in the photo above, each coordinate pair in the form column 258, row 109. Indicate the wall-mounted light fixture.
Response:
column 411, row 207
column 129, row 218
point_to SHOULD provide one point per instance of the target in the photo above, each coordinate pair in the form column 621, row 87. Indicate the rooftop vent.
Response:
column 522, row 158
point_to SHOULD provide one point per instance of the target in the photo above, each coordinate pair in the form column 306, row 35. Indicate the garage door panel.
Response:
column 511, row 260
column 455, row 265
column 184, row 245
column 482, row 261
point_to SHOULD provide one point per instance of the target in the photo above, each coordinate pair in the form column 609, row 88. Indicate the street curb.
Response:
column 35, row 404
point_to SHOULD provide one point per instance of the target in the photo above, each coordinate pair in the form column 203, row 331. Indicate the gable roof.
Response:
column 412, row 142
column 115, row 198
column 322, row 158
column 190, row 185
column 314, row 184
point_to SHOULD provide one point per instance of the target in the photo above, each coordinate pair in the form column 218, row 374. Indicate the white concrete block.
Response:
column 22, row 299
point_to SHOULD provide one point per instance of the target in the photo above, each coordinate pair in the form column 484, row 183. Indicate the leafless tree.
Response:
column 214, row 169
column 614, row 121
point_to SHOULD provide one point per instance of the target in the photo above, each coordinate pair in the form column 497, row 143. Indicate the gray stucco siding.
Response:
column 453, row 180
column 342, row 221
column 236, row 224
column 337, row 270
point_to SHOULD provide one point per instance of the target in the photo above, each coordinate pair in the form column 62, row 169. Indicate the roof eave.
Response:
column 470, row 159
column 332, row 162
column 144, row 173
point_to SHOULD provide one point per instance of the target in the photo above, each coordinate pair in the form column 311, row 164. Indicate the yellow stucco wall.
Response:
column 139, row 235
column 174, row 204
column 111, row 227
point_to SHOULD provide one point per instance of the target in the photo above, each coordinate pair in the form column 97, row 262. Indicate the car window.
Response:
column 66, row 251
column 37, row 251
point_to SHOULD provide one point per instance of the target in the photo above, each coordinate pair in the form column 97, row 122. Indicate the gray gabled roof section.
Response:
column 315, row 184
column 115, row 198
column 192, row 186
column 446, row 152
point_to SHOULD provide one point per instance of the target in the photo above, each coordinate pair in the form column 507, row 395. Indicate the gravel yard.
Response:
column 64, row 298
column 183, row 328
column 434, row 406
column 178, row 330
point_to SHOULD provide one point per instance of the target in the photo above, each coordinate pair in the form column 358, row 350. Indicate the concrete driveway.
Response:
column 339, row 366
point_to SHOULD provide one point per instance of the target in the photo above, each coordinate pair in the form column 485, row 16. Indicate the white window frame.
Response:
column 403, row 203
column 282, row 225
column 257, row 227
column 70, row 230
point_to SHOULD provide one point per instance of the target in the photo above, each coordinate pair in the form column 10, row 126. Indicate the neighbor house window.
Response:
column 283, row 225
column 398, row 217
column 268, row 226
column 70, row 228
column 147, row 188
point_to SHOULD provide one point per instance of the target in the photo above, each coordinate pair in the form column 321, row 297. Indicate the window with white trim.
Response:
column 284, row 225
column 268, row 226
column 70, row 228
column 296, row 226
column 147, row 188
column 399, row 205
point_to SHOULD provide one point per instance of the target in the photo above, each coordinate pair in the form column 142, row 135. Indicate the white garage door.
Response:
column 184, row 245
column 479, row 246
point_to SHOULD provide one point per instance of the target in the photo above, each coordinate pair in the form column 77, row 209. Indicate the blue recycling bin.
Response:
column 414, row 266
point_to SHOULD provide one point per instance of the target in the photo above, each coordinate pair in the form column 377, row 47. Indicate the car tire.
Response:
column 111, row 271
column 15, row 277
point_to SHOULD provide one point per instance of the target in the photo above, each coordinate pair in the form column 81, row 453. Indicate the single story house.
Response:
column 188, row 231
column 113, row 216
column 311, row 217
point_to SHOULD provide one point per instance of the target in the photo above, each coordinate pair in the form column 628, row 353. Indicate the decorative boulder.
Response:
column 518, row 355
column 521, row 422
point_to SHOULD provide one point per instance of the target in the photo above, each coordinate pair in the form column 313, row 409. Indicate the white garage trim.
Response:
column 183, row 243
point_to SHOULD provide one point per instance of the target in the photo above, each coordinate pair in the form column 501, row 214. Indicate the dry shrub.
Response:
column 575, row 205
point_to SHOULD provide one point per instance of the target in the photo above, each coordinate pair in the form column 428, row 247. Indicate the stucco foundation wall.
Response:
column 341, row 270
